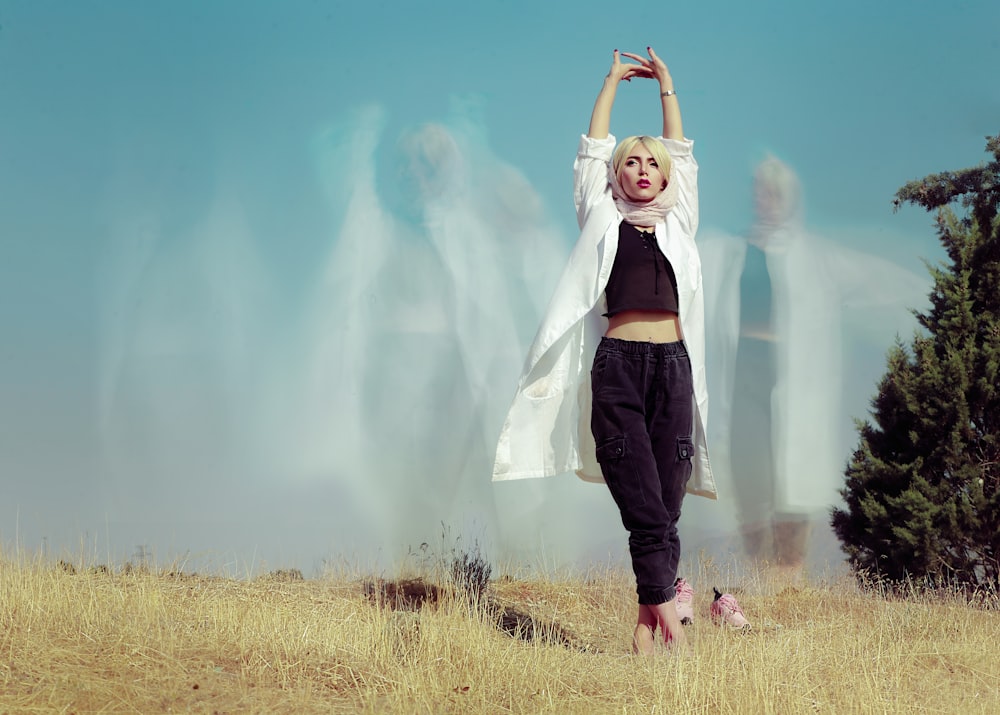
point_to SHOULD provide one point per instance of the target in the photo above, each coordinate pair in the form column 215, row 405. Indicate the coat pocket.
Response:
column 543, row 388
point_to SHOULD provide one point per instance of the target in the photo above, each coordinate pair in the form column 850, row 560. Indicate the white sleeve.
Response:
column 590, row 174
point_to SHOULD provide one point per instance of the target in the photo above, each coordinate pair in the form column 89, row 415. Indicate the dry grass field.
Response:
column 77, row 639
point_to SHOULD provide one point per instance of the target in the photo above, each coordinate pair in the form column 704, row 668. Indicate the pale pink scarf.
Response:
column 649, row 213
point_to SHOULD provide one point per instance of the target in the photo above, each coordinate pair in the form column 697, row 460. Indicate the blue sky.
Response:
column 144, row 145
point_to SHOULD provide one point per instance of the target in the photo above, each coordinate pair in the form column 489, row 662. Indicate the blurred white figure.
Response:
column 426, row 305
column 179, row 326
column 779, row 307
column 378, row 399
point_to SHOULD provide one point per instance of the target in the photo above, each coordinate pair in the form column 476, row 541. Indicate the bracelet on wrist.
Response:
column 668, row 93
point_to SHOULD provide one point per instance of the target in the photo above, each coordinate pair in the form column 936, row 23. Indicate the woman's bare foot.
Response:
column 670, row 623
column 644, row 635
column 665, row 616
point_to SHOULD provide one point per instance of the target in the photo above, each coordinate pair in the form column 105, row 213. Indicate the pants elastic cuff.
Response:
column 656, row 596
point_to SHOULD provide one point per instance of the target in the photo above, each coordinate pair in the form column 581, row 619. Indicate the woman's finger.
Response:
column 638, row 71
column 637, row 58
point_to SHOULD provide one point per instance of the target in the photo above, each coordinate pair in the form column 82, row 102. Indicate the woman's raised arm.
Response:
column 600, row 119
column 656, row 68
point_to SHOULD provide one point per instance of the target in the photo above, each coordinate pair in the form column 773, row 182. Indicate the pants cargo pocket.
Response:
column 620, row 473
column 685, row 454
column 685, row 449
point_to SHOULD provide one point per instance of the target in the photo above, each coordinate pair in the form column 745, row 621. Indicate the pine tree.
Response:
column 922, row 489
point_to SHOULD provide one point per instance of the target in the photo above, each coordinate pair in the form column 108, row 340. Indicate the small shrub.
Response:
column 471, row 574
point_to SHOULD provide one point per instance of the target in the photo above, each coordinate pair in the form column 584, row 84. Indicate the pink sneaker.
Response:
column 685, row 596
column 726, row 611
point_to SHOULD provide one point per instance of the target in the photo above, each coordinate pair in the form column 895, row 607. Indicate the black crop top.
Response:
column 641, row 277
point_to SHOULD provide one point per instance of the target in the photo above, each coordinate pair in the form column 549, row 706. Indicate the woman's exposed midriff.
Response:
column 645, row 326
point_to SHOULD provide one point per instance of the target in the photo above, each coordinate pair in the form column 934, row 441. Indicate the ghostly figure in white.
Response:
column 380, row 388
column 783, row 333
column 433, row 284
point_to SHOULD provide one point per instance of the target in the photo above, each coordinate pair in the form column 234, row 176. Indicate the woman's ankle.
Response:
column 643, row 640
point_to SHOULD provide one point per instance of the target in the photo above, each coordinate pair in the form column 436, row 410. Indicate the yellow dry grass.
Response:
column 90, row 640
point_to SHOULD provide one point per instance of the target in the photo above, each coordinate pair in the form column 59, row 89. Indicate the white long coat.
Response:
column 547, row 429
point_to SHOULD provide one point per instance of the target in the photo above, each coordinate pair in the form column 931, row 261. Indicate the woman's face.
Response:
column 641, row 178
column 776, row 192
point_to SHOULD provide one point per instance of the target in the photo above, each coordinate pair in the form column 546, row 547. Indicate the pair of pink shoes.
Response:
column 724, row 611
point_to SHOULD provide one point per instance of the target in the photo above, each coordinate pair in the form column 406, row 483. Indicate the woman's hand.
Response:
column 625, row 70
column 653, row 67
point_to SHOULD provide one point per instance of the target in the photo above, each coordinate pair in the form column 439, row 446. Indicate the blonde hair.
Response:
column 627, row 146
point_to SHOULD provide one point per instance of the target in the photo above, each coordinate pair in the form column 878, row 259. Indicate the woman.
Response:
column 633, row 281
